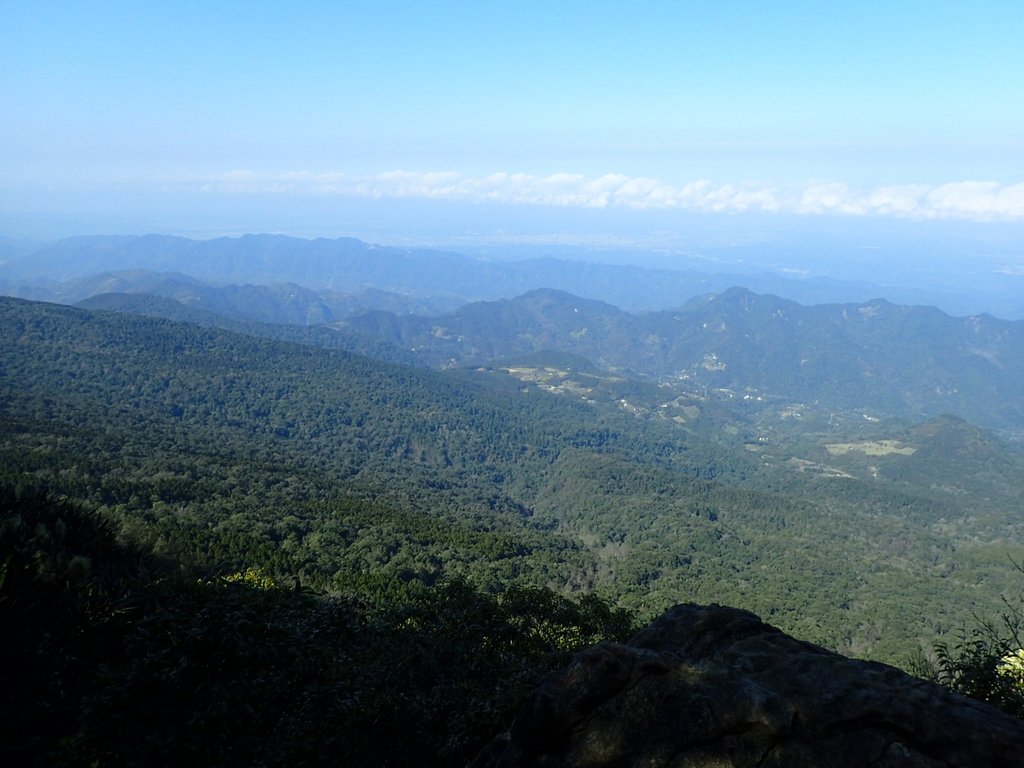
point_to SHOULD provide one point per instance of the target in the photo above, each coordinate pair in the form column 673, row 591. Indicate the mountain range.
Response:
column 881, row 358
column 391, row 506
column 685, row 330
column 891, row 402
column 770, row 354
column 349, row 266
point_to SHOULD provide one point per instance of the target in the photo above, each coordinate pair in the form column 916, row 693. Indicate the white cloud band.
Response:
column 962, row 200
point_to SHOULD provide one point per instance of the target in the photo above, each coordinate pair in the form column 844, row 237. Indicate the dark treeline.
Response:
column 124, row 659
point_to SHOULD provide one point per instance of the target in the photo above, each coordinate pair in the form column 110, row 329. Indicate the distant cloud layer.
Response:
column 980, row 200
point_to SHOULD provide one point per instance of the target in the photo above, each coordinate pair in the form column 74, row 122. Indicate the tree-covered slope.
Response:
column 229, row 451
column 150, row 305
column 115, row 657
column 190, row 423
column 876, row 357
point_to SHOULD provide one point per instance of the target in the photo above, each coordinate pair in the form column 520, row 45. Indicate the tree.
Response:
column 987, row 662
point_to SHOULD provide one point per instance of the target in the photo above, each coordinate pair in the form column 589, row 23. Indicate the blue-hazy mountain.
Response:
column 281, row 303
column 871, row 355
column 876, row 356
column 347, row 266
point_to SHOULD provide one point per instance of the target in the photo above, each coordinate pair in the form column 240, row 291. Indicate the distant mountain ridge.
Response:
column 281, row 303
column 148, row 305
column 348, row 265
column 343, row 264
column 874, row 356
column 912, row 361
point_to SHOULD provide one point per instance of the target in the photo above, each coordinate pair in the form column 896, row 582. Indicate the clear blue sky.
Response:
column 910, row 109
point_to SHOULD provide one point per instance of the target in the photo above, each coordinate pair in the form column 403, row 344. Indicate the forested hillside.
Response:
column 123, row 658
column 245, row 460
column 877, row 358
column 351, row 467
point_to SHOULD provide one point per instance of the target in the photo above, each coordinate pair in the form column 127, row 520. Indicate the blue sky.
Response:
column 177, row 110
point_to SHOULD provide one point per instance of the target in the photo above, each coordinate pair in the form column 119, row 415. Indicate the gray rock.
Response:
column 710, row 686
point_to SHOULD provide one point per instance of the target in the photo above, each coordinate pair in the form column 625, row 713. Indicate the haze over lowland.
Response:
column 512, row 122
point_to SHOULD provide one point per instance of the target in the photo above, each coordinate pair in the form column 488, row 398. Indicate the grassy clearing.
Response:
column 871, row 448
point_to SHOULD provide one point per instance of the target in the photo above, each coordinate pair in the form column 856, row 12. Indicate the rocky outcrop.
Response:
column 715, row 686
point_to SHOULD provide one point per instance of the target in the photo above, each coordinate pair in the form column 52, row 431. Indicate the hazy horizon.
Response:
column 463, row 123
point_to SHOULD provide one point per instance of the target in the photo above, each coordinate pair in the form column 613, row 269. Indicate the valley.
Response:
column 851, row 473
column 465, row 385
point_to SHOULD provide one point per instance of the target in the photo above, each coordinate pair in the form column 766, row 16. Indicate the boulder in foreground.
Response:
column 714, row 686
